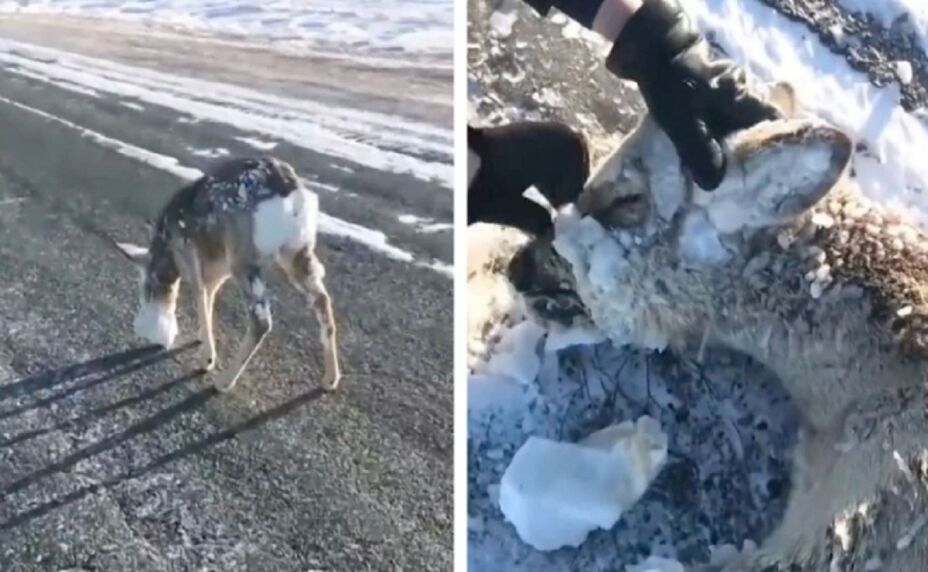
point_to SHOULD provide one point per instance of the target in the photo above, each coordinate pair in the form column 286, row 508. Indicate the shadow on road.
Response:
column 88, row 374
column 147, row 425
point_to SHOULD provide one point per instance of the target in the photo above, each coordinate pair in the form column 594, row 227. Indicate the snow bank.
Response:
column 387, row 29
column 555, row 493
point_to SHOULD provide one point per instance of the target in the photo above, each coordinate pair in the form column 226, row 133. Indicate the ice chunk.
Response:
column 502, row 20
column 904, row 73
column 516, row 356
column 560, row 337
column 655, row 564
column 699, row 241
column 556, row 493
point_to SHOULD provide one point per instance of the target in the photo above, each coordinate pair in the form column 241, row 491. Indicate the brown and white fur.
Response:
column 233, row 222
column 827, row 289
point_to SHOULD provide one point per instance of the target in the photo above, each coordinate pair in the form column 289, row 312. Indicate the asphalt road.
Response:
column 115, row 457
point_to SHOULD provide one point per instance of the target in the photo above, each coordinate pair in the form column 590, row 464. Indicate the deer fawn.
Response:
column 787, row 262
column 233, row 222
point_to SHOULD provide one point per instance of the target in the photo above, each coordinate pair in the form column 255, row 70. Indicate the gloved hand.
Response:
column 696, row 100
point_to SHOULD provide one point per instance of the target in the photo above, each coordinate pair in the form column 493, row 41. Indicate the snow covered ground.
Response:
column 730, row 426
column 393, row 31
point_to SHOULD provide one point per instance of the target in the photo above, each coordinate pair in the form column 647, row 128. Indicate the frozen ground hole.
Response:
column 731, row 427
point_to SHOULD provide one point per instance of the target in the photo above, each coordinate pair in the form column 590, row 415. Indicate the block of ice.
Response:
column 556, row 493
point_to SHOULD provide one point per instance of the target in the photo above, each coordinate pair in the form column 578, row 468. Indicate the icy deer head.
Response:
column 155, row 320
column 650, row 252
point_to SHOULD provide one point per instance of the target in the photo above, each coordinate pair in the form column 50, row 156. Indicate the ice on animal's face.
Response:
column 627, row 275
column 155, row 320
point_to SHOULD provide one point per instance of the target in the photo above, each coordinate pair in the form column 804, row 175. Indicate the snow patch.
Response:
column 259, row 144
column 156, row 160
column 212, row 153
column 425, row 225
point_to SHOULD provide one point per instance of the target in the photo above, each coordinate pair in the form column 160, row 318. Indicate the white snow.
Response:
column 156, row 160
column 380, row 30
column 555, row 493
column 360, row 136
column 503, row 18
column 374, row 239
column 212, row 152
column 62, row 84
column 425, row 225
column 259, row 144
column 904, row 72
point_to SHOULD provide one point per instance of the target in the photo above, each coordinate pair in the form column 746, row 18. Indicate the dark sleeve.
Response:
column 582, row 11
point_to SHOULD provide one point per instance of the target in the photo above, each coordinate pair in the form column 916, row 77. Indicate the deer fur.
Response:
column 234, row 222
column 787, row 262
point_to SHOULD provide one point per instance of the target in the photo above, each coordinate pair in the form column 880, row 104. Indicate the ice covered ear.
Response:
column 777, row 170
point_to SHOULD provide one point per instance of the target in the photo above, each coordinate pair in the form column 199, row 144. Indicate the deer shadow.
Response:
column 111, row 367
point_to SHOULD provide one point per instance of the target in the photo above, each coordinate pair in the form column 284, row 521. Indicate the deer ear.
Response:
column 777, row 170
column 138, row 255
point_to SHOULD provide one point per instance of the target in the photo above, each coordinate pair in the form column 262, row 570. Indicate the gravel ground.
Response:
column 866, row 44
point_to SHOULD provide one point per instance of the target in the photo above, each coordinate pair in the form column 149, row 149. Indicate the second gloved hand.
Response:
column 696, row 100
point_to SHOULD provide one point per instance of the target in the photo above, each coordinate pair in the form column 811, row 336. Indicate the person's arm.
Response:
column 605, row 17
column 696, row 98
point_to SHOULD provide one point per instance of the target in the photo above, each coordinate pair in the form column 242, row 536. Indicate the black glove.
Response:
column 697, row 101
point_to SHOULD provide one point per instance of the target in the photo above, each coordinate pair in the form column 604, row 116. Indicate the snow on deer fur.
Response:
column 241, row 217
column 789, row 263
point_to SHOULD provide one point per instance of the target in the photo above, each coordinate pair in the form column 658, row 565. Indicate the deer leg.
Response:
column 203, row 293
column 259, row 324
column 306, row 274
